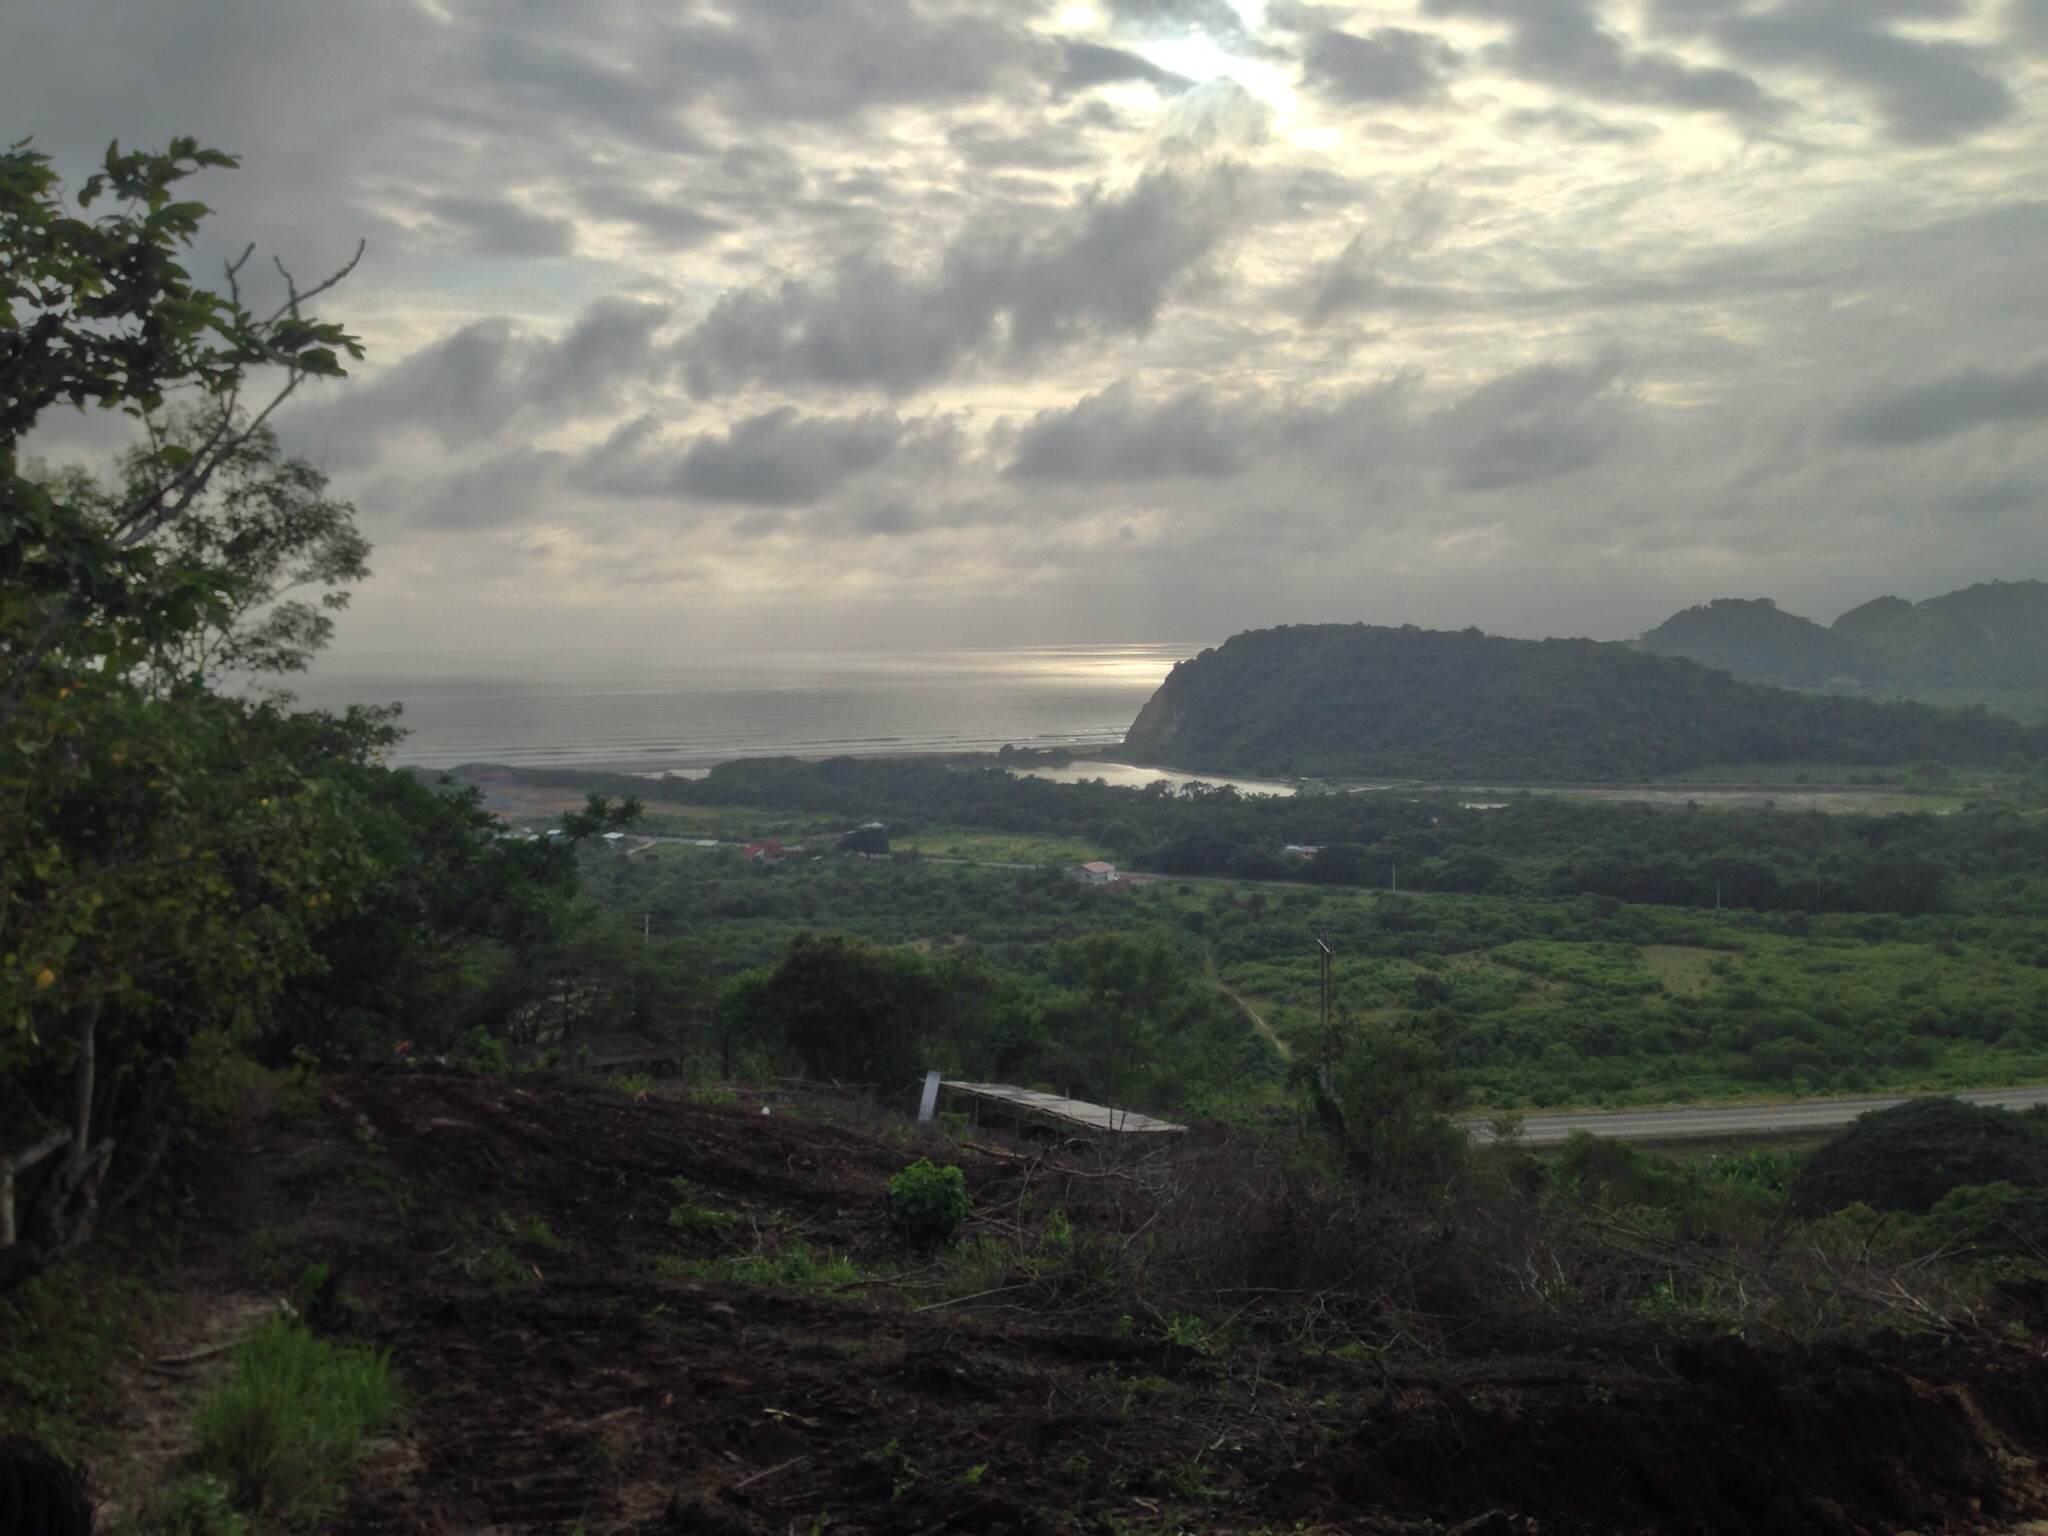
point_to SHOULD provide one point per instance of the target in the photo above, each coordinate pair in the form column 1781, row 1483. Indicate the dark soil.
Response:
column 580, row 1387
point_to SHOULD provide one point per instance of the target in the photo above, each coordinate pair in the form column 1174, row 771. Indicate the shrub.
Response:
column 481, row 1050
column 928, row 1205
column 287, row 1427
column 1907, row 1157
column 198, row 1505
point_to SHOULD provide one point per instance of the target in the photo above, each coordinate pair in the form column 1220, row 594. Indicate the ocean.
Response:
column 646, row 712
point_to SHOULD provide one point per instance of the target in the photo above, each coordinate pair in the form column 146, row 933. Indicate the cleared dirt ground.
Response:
column 505, row 1238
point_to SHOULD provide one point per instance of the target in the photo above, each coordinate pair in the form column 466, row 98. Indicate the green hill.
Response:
column 1985, row 644
column 1761, row 643
column 1991, row 636
column 1354, row 699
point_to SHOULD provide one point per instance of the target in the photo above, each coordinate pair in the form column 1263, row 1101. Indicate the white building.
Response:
column 1094, row 872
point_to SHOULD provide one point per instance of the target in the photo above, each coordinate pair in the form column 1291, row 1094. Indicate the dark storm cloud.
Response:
column 1387, row 64
column 1115, row 436
column 782, row 459
column 1578, row 127
column 1092, row 64
column 1533, row 424
column 1562, row 43
column 1950, row 406
column 1106, row 267
column 491, row 226
column 474, row 383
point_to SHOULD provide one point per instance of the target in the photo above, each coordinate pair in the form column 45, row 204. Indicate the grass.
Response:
column 290, row 1423
column 994, row 847
column 794, row 1266
column 59, row 1337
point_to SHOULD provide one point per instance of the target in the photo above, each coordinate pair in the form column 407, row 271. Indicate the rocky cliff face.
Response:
column 1154, row 733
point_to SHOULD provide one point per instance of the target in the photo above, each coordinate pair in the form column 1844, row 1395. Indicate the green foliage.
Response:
column 792, row 1266
column 482, row 1052
column 850, row 1012
column 1330, row 699
column 64, row 1334
column 495, row 1267
column 700, row 1222
column 198, row 1504
column 1909, row 1157
column 1385, row 1103
column 287, row 1427
column 178, row 863
column 1986, row 643
column 928, row 1205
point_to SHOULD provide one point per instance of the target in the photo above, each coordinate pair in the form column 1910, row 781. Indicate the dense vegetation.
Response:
column 182, row 867
column 1990, row 857
column 1348, row 700
column 1134, row 996
column 1984, row 644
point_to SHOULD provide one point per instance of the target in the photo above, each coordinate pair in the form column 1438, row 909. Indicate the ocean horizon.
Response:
column 644, row 711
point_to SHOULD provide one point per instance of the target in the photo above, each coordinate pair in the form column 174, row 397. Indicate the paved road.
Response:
column 1738, row 1120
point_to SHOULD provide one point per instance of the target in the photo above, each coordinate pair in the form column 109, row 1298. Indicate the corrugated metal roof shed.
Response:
column 1094, row 1117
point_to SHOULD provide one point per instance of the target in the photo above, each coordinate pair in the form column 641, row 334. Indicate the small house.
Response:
column 767, row 851
column 1094, row 872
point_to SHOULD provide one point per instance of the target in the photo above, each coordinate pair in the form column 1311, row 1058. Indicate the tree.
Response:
column 851, row 1012
column 161, row 847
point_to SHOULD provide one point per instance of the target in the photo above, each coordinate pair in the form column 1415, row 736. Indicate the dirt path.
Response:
column 1257, row 1020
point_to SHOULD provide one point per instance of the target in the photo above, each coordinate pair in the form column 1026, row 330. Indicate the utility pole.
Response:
column 1394, row 876
column 1323, row 959
column 646, row 928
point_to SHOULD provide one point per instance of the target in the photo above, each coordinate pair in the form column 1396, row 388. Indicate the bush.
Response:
column 1908, row 1157
column 928, row 1205
column 481, row 1050
column 288, row 1426
column 196, row 1506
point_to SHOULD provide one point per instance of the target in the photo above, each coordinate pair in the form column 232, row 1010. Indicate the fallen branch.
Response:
column 748, row 1482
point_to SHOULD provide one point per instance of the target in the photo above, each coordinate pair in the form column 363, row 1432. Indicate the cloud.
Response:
column 1561, row 43
column 2028, row 22
column 1360, row 277
column 1928, row 90
column 1534, row 424
column 782, row 459
column 1948, row 407
column 1578, row 127
column 494, row 226
column 1169, row 17
column 1114, row 436
column 477, row 381
column 1388, row 64
column 507, row 489
column 1090, row 64
column 1105, row 268
column 665, row 216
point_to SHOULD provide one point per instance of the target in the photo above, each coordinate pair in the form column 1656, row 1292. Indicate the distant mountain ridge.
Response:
column 1356, row 700
column 1986, row 643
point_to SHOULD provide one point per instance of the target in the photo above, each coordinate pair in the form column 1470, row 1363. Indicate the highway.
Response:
column 1813, row 1116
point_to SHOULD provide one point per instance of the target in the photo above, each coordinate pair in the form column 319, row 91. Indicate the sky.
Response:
column 875, row 323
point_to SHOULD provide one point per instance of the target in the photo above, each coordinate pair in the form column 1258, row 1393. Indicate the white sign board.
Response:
column 930, row 1101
